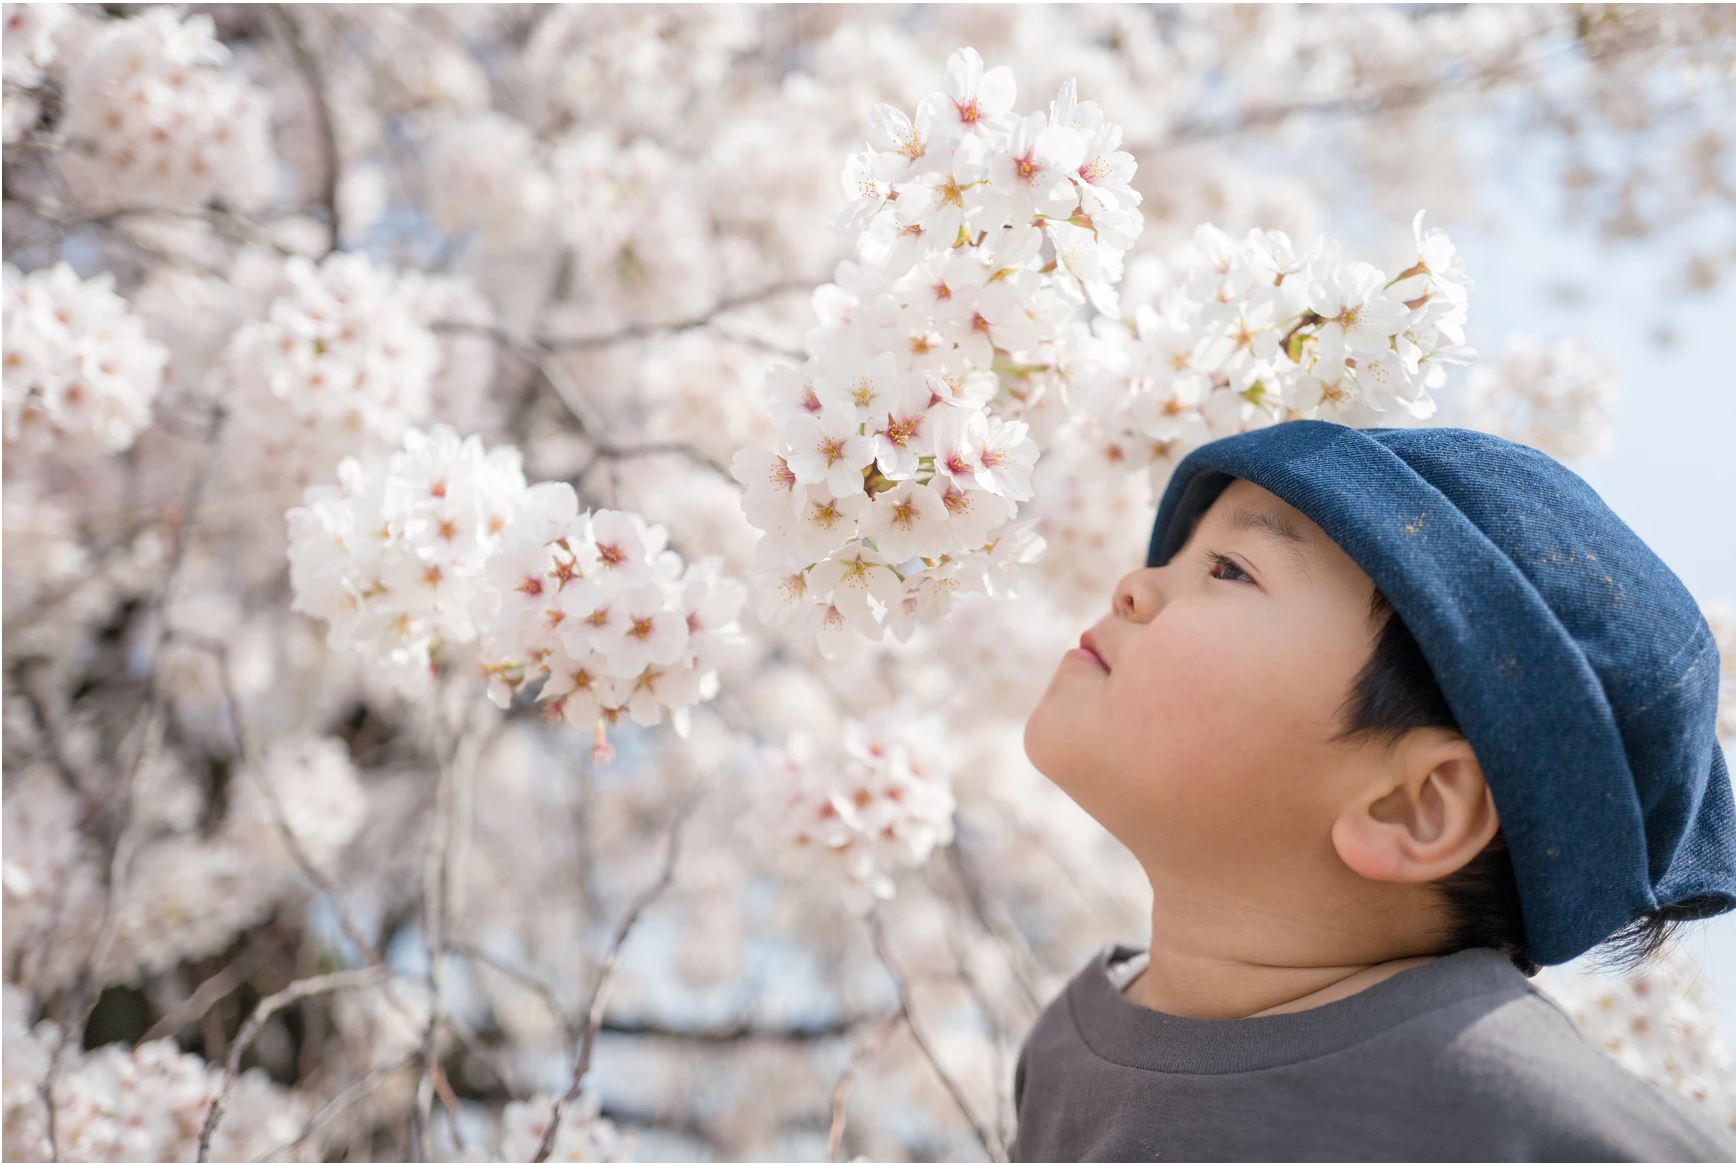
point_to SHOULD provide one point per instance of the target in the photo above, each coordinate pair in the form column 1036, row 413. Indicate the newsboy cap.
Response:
column 1579, row 667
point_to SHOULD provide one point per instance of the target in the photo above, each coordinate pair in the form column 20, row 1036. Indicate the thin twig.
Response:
column 705, row 319
column 50, row 730
column 569, row 1025
column 614, row 452
column 870, row 1046
column 235, row 227
column 540, row 357
column 248, row 759
column 599, row 991
column 209, row 992
column 337, row 1105
column 628, row 1028
column 997, row 1032
column 994, row 1149
column 149, row 726
column 1386, row 100
column 544, row 359
column 1019, row 957
column 262, row 1013
column 246, row 755
column 436, row 900
column 328, row 138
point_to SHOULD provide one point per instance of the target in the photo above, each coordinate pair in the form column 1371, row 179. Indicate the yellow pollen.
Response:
column 901, row 430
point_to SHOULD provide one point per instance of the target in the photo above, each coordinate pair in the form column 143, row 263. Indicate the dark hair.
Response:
column 1396, row 692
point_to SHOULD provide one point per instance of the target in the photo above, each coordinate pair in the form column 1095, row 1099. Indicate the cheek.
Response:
column 1206, row 713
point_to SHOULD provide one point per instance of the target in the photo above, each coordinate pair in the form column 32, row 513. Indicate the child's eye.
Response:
column 1218, row 559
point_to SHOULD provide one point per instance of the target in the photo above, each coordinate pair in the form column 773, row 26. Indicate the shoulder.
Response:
column 1525, row 1059
column 1053, row 1032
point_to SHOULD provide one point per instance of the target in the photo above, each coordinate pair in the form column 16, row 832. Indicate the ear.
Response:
column 1428, row 815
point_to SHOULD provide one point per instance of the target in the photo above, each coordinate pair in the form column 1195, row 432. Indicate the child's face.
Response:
column 1205, row 743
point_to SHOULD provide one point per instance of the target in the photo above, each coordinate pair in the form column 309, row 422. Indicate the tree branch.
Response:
column 599, row 992
column 706, row 319
column 990, row 1145
column 262, row 1013
column 869, row 1047
column 328, row 138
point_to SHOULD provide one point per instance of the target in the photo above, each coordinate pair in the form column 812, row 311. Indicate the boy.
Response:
column 1355, row 659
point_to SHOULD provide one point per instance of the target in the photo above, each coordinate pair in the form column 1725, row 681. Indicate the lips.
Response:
column 1090, row 647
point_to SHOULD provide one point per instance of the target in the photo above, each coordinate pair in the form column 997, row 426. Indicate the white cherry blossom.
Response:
column 80, row 371
column 830, row 450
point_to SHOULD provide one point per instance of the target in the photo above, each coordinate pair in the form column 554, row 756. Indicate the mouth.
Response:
column 1088, row 649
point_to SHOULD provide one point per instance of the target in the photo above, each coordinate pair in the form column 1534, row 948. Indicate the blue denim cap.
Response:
column 1580, row 669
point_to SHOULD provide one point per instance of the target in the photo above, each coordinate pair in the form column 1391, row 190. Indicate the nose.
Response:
column 1138, row 595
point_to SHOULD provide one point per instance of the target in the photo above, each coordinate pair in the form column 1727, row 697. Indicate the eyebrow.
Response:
column 1280, row 528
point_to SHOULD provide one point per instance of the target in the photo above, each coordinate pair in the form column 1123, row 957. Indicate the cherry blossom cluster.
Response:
column 305, row 784
column 1661, row 1021
column 29, row 48
column 444, row 544
column 597, row 606
column 637, row 224
column 80, row 371
column 190, row 891
column 341, row 364
column 160, row 123
column 1252, row 333
column 1554, row 396
column 120, row 1103
column 900, row 463
column 855, row 811
column 484, row 170
column 392, row 557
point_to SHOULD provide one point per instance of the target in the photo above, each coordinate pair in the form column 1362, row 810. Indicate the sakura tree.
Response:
column 531, row 529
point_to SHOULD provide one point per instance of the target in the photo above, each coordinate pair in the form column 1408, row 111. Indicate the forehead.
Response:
column 1245, row 505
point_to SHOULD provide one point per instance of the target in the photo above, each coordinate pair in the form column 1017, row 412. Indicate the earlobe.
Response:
column 1368, row 847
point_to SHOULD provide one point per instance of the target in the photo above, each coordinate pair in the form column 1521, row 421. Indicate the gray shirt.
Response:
column 1461, row 1058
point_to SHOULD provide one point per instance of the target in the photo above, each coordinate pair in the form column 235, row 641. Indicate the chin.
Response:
column 1051, row 742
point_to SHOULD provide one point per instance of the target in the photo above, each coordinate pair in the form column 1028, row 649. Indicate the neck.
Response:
column 1217, row 959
